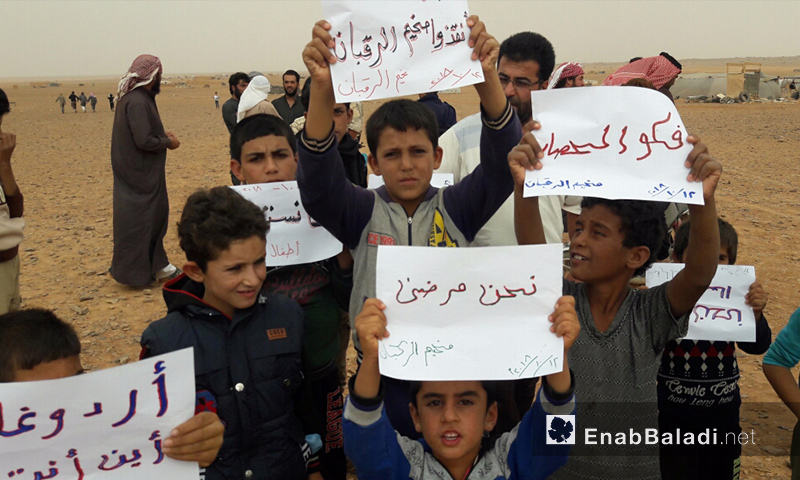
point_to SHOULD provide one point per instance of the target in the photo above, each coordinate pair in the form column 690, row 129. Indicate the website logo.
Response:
column 560, row 429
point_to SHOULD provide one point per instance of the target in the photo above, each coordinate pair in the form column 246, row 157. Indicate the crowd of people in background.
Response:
column 270, row 399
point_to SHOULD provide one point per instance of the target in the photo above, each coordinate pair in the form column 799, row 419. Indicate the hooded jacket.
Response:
column 247, row 370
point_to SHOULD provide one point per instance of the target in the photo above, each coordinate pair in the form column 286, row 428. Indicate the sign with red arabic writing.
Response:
column 294, row 237
column 105, row 425
column 469, row 313
column 721, row 313
column 611, row 142
column 393, row 48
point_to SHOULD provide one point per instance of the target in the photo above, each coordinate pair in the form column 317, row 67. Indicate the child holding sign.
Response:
column 623, row 331
column 454, row 418
column 247, row 345
column 402, row 137
column 37, row 345
column 702, row 391
column 263, row 151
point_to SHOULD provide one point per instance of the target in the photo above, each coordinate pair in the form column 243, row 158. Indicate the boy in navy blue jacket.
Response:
column 247, row 345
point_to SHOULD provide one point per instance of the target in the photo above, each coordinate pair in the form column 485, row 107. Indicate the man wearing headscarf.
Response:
column 660, row 71
column 254, row 99
column 138, row 159
column 567, row 75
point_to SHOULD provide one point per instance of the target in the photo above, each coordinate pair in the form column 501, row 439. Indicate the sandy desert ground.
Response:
column 63, row 167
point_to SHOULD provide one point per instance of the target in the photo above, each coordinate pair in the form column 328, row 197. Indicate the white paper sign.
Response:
column 438, row 180
column 102, row 425
column 720, row 314
column 469, row 313
column 392, row 48
column 294, row 237
column 611, row 142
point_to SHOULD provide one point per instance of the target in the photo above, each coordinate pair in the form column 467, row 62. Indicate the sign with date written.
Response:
column 393, row 48
column 469, row 313
column 611, row 142
column 721, row 313
column 294, row 237
column 103, row 425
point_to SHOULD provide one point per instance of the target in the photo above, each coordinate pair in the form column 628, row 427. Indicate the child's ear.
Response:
column 373, row 164
column 236, row 168
column 437, row 158
column 193, row 271
column 296, row 157
column 638, row 256
column 491, row 418
column 415, row 417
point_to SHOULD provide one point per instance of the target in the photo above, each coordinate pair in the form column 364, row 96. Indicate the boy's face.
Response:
column 342, row 116
column 232, row 281
column 406, row 160
column 61, row 368
column 596, row 249
column 266, row 159
column 452, row 417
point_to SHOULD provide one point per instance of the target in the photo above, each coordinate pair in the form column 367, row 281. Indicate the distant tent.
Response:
column 698, row 84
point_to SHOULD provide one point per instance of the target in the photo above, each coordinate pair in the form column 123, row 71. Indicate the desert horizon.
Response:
column 62, row 165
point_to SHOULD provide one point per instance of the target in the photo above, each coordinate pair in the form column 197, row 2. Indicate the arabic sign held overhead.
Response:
column 399, row 48
column 611, row 142
column 110, row 426
column 473, row 322
column 294, row 237
column 721, row 313
column 438, row 180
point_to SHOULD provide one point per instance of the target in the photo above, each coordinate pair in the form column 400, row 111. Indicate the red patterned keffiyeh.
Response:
column 565, row 70
column 143, row 70
column 657, row 70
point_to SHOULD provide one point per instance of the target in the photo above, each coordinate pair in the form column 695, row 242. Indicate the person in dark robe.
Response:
column 139, row 147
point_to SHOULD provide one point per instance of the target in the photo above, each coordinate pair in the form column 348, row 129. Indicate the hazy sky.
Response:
column 54, row 39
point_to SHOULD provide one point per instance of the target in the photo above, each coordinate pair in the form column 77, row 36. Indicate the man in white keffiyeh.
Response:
column 254, row 99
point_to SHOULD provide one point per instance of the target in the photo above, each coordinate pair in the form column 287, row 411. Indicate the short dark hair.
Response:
column 305, row 95
column 5, row 105
column 234, row 80
column 256, row 126
column 529, row 46
column 31, row 337
column 727, row 238
column 291, row 72
column 489, row 386
column 213, row 219
column 642, row 224
column 401, row 115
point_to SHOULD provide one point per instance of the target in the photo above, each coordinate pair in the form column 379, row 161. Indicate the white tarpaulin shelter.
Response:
column 698, row 84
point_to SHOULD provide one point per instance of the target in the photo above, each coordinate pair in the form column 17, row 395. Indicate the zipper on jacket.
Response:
column 410, row 221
